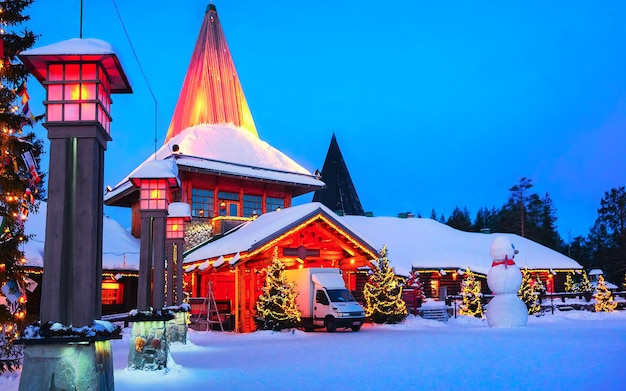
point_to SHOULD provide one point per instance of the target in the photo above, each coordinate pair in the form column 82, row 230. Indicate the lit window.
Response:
column 112, row 292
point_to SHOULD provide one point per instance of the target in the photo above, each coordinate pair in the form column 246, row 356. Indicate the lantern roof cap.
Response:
column 179, row 209
column 78, row 49
column 157, row 169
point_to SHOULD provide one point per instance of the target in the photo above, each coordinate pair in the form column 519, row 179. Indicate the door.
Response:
column 320, row 307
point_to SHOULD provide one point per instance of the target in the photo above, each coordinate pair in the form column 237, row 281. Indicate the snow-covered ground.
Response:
column 574, row 350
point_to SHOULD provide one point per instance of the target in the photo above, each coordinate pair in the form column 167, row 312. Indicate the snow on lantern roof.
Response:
column 120, row 250
column 211, row 92
column 84, row 49
column 595, row 272
column 254, row 234
column 156, row 169
column 426, row 243
column 178, row 209
column 225, row 149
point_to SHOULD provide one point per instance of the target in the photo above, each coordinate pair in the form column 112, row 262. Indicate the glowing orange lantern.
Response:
column 154, row 179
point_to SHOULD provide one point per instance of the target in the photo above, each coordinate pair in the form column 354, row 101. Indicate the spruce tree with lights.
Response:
column 19, row 180
column 383, row 293
column 604, row 299
column 584, row 286
column 569, row 283
column 530, row 292
column 276, row 308
column 470, row 293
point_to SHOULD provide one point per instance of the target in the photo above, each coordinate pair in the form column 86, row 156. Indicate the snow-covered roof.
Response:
column 179, row 209
column 90, row 49
column 257, row 232
column 229, row 150
column 120, row 250
column 426, row 243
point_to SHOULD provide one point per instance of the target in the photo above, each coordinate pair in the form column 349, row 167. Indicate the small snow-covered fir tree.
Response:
column 603, row 296
column 569, row 283
column 530, row 291
column 276, row 308
column 470, row 292
column 383, row 293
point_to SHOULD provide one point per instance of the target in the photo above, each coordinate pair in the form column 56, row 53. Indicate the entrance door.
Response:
column 443, row 293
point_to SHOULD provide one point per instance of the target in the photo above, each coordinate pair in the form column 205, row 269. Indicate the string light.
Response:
column 383, row 293
column 470, row 292
column 604, row 299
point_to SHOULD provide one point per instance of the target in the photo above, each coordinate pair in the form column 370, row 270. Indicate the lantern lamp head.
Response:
column 154, row 179
column 79, row 76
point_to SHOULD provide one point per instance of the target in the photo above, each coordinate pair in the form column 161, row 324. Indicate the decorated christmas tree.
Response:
column 470, row 292
column 530, row 292
column 276, row 308
column 569, row 283
column 19, row 180
column 414, row 282
column 603, row 296
column 383, row 293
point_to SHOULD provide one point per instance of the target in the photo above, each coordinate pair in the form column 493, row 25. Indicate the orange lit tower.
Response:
column 211, row 92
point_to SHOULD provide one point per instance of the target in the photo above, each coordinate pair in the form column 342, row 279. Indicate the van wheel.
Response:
column 330, row 325
column 356, row 328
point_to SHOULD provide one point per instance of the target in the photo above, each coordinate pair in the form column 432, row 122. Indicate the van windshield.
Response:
column 340, row 295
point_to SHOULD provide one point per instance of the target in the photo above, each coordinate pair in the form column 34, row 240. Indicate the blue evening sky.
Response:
column 434, row 104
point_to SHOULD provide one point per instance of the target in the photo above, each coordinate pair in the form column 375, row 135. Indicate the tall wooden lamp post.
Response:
column 154, row 180
column 178, row 214
column 79, row 75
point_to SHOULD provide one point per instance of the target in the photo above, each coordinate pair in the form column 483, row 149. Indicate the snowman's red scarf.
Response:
column 505, row 261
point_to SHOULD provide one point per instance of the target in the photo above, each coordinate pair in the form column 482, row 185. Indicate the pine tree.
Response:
column 530, row 292
column 383, row 293
column 470, row 292
column 603, row 296
column 276, row 308
column 569, row 283
column 19, row 180
column 584, row 286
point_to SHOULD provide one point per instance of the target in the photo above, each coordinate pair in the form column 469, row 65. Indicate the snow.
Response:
column 154, row 169
column 120, row 250
column 179, row 209
column 573, row 350
column 423, row 242
column 72, row 46
column 230, row 150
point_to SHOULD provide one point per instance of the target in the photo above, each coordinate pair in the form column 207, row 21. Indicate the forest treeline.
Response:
column 534, row 217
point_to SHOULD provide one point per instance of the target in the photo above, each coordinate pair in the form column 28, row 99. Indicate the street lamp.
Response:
column 154, row 180
column 178, row 213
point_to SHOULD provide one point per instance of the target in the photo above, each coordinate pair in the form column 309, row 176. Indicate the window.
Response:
column 228, row 203
column 320, row 297
column 272, row 203
column 252, row 205
column 201, row 203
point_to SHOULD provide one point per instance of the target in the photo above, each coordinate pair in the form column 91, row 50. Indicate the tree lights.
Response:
column 470, row 292
column 383, row 293
column 603, row 296
column 530, row 292
column 19, row 179
column 276, row 308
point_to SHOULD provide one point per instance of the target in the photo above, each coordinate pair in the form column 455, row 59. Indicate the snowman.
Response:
column 506, row 309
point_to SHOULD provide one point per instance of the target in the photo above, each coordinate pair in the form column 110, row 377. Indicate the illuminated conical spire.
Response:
column 211, row 93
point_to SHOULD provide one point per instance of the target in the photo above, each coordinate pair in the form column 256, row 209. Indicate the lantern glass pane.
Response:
column 72, row 72
column 88, row 112
column 71, row 112
column 55, row 92
column 88, row 91
column 55, row 112
column 72, row 91
column 89, row 71
column 55, row 72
